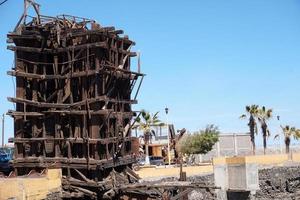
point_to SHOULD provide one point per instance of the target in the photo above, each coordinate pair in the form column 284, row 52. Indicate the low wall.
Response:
column 270, row 159
column 153, row 172
column 33, row 187
column 277, row 159
column 264, row 160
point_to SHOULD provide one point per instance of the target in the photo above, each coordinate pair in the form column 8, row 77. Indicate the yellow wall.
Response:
column 31, row 188
column 268, row 159
column 296, row 157
column 161, row 172
column 259, row 159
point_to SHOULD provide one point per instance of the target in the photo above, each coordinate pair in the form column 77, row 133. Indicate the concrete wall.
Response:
column 228, row 145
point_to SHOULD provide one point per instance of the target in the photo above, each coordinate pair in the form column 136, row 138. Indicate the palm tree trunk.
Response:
column 253, row 143
column 287, row 141
column 287, row 146
column 252, row 133
column 146, row 140
column 264, row 130
column 147, row 160
column 265, row 143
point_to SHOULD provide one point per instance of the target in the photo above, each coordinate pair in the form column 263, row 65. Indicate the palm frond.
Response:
column 248, row 108
column 138, row 119
column 147, row 116
column 297, row 134
column 135, row 126
column 143, row 113
column 269, row 113
column 153, row 132
column 155, row 116
column 161, row 124
column 243, row 116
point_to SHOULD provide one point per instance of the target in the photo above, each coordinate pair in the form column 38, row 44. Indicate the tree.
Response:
column 289, row 132
column 199, row 142
column 251, row 112
column 263, row 116
column 145, row 124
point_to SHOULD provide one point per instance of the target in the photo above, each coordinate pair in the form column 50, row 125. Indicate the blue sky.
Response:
column 205, row 60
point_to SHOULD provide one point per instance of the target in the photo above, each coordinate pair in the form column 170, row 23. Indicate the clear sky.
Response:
column 205, row 60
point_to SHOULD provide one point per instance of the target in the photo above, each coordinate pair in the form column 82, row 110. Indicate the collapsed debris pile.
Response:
column 73, row 101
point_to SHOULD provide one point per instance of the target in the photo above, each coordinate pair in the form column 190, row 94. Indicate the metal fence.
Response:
column 228, row 145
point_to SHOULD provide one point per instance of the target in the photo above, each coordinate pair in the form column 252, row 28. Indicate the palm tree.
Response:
column 145, row 124
column 263, row 116
column 288, row 132
column 251, row 113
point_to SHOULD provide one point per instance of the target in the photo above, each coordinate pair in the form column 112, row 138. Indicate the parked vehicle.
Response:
column 6, row 155
column 141, row 161
column 156, row 160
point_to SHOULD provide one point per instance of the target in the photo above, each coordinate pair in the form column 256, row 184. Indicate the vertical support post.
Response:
column 200, row 158
column 3, row 130
column 159, row 134
column 168, row 134
column 235, row 145
column 25, row 8
column 182, row 177
column 280, row 143
column 218, row 149
column 139, row 61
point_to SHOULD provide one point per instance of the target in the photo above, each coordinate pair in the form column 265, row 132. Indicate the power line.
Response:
column 3, row 2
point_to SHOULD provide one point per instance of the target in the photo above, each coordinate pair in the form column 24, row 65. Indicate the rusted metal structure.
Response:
column 73, row 100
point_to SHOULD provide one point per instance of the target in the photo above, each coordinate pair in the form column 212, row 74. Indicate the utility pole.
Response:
column 3, row 130
column 169, row 155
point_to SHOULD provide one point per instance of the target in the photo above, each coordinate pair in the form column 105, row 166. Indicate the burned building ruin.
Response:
column 74, row 92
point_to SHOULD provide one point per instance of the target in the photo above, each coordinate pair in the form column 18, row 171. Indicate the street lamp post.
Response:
column 168, row 134
column 3, row 130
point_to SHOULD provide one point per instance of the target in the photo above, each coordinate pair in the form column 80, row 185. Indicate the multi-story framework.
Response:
column 73, row 100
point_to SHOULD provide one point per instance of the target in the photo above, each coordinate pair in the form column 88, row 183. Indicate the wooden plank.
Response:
column 118, row 73
column 57, row 50
column 61, row 105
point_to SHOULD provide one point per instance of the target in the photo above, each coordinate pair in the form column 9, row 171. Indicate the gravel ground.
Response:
column 199, row 194
column 278, row 183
